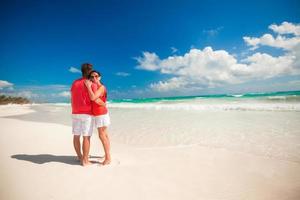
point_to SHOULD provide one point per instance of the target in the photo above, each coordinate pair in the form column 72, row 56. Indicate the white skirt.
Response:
column 102, row 120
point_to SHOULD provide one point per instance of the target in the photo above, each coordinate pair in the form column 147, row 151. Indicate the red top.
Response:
column 96, row 108
column 80, row 99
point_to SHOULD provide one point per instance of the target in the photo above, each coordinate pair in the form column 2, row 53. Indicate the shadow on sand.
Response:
column 47, row 158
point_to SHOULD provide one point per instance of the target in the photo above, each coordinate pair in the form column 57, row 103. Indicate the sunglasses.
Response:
column 96, row 76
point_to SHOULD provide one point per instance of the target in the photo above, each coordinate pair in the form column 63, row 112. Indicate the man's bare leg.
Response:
column 86, row 150
column 77, row 146
column 102, row 131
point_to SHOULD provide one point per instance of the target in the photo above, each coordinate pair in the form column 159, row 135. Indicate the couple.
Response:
column 88, row 100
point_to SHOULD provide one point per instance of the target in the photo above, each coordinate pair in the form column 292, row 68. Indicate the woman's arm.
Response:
column 100, row 102
column 95, row 96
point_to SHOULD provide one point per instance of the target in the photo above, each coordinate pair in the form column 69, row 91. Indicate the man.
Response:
column 82, row 121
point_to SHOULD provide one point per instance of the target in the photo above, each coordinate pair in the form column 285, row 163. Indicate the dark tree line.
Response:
column 15, row 100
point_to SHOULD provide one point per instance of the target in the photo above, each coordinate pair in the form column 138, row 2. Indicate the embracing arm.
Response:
column 100, row 102
column 95, row 96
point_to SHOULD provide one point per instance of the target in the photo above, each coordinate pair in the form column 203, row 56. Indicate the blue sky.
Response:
column 149, row 48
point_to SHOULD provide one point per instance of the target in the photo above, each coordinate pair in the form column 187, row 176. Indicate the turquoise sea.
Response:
column 280, row 96
column 270, row 101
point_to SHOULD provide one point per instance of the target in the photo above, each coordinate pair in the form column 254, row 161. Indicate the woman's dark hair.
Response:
column 93, row 71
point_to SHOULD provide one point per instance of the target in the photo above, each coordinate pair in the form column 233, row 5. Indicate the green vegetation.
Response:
column 15, row 100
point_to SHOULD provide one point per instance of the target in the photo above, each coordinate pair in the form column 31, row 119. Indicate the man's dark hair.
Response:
column 86, row 68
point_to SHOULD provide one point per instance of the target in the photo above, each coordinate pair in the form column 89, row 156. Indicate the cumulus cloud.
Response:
column 286, row 28
column 171, row 84
column 74, row 70
column 266, row 66
column 149, row 61
column 280, row 41
column 5, row 85
column 197, row 69
column 208, row 68
column 268, row 40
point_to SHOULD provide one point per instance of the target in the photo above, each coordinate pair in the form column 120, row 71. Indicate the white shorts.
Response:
column 102, row 120
column 82, row 124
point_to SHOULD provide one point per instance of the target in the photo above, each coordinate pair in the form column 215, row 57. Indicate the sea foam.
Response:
column 213, row 107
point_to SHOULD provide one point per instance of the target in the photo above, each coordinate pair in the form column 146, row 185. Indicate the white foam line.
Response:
column 214, row 107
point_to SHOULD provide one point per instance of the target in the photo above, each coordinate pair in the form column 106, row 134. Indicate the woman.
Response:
column 98, row 95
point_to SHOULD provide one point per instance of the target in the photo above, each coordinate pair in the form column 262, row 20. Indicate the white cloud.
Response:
column 196, row 69
column 74, row 70
column 64, row 94
column 124, row 74
column 263, row 65
column 6, row 85
column 210, row 68
column 268, row 40
column 149, row 61
column 174, row 50
column 171, row 84
column 286, row 28
column 281, row 40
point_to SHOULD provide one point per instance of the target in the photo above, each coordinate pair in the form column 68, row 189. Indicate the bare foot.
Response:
column 106, row 162
column 86, row 163
column 78, row 159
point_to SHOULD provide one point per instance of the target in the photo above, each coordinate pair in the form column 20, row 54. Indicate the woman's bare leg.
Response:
column 102, row 131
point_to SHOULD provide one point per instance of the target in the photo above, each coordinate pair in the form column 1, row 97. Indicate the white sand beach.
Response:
column 254, row 159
